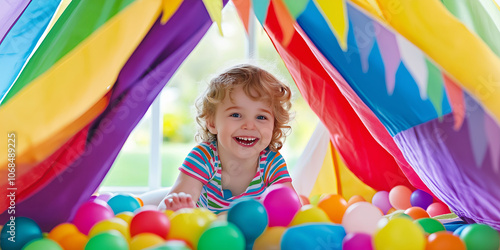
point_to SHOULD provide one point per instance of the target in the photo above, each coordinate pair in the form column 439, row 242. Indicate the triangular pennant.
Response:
column 335, row 13
column 214, row 8
column 493, row 132
column 296, row 7
column 388, row 46
column 414, row 60
column 370, row 6
column 435, row 87
column 364, row 34
column 477, row 135
column 285, row 21
column 169, row 8
column 260, row 9
column 456, row 98
column 243, row 9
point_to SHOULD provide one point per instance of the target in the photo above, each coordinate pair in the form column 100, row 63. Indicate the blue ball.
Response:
column 16, row 233
column 123, row 203
column 313, row 236
column 250, row 217
column 459, row 230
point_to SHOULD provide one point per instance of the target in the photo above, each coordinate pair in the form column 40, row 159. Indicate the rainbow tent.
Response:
column 408, row 91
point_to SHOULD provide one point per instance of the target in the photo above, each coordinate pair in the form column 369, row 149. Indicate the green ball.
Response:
column 222, row 236
column 107, row 240
column 430, row 225
column 480, row 236
column 43, row 243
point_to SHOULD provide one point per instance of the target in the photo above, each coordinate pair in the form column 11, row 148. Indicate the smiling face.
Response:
column 243, row 126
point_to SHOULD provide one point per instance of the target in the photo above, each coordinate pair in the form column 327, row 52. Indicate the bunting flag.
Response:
column 437, row 120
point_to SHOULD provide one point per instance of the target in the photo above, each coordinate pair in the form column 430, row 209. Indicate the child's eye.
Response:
column 261, row 117
column 236, row 115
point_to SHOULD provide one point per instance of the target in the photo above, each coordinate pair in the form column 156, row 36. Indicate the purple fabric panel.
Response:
column 159, row 55
column 10, row 11
column 444, row 159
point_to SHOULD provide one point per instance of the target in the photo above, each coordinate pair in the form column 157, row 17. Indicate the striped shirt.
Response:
column 203, row 164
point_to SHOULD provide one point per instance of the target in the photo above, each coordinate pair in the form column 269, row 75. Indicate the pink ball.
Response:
column 361, row 217
column 91, row 212
column 437, row 208
column 399, row 196
column 150, row 221
column 355, row 241
column 381, row 200
column 281, row 203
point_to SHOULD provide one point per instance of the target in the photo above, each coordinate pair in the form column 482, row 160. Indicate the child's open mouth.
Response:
column 246, row 141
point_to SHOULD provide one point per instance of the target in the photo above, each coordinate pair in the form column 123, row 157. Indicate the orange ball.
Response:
column 354, row 199
column 416, row 213
column 62, row 230
column 74, row 241
column 391, row 210
column 444, row 240
column 399, row 197
column 334, row 206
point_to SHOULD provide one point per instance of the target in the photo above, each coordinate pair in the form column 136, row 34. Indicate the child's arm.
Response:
column 184, row 193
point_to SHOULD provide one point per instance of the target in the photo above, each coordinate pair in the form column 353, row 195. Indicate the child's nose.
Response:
column 248, row 124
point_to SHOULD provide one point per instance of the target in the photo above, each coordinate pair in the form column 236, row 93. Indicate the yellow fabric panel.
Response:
column 169, row 8
column 467, row 59
column 351, row 185
column 59, row 97
column 336, row 14
column 327, row 180
column 370, row 6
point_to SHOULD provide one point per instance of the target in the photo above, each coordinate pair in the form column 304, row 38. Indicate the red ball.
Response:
column 437, row 208
column 150, row 221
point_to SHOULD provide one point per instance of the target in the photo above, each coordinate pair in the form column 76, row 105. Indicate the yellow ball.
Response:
column 145, row 240
column 309, row 213
column 111, row 224
column 270, row 239
column 126, row 216
column 400, row 233
column 188, row 225
column 168, row 213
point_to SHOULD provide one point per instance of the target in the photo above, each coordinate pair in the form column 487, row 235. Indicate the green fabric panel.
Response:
column 435, row 87
column 80, row 19
column 481, row 17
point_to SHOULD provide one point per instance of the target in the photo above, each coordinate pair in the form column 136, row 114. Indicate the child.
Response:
column 243, row 118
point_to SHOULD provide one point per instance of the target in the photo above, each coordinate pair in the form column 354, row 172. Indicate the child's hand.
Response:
column 177, row 201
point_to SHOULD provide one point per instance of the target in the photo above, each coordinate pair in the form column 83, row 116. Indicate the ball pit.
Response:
column 247, row 226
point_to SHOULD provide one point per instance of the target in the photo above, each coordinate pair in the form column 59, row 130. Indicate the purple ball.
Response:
column 354, row 241
column 381, row 200
column 420, row 198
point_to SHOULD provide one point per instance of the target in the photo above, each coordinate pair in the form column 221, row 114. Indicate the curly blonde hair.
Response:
column 257, row 84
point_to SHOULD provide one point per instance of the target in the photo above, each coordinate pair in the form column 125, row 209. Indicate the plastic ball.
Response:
column 430, row 225
column 308, row 214
column 355, row 241
column 459, row 230
column 391, row 210
column 188, row 225
column 104, row 197
column 400, row 233
column 142, row 223
column 315, row 199
column 123, row 202
column 480, row 236
column 437, row 208
column 24, row 229
column 145, row 240
column 354, row 199
column 250, row 217
column 420, row 198
column 381, row 200
column 89, row 213
column 444, row 240
column 416, row 213
column 111, row 224
column 125, row 216
column 334, row 206
column 45, row 244
column 361, row 217
column 313, row 236
column 270, row 239
column 107, row 240
column 172, row 245
column 304, row 200
column 281, row 203
column 74, row 241
column 399, row 196
column 62, row 230
column 222, row 236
